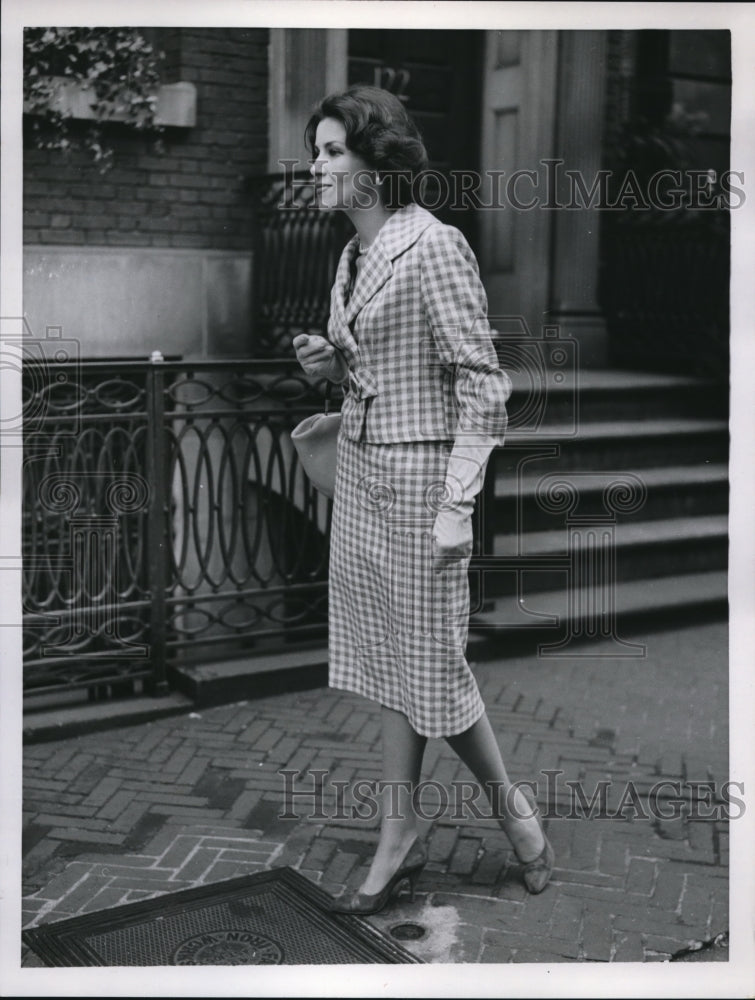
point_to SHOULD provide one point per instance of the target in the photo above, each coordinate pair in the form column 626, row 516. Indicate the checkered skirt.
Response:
column 398, row 630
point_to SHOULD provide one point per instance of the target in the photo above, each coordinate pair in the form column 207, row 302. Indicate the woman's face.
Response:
column 342, row 178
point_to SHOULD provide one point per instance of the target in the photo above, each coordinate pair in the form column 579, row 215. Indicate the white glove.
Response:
column 319, row 357
column 452, row 530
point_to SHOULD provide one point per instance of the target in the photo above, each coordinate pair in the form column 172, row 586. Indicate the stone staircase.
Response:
column 582, row 564
column 612, row 519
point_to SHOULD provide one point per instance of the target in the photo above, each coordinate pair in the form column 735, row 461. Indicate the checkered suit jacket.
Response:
column 415, row 336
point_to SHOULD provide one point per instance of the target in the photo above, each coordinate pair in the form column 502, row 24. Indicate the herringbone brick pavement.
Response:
column 115, row 817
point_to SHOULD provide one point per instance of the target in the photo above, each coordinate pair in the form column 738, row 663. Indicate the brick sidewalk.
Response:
column 120, row 816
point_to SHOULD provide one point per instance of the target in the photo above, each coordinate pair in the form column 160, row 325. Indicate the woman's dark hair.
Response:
column 379, row 130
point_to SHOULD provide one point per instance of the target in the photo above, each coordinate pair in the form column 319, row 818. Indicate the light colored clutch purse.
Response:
column 315, row 440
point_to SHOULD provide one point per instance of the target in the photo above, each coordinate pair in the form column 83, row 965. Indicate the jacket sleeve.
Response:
column 455, row 305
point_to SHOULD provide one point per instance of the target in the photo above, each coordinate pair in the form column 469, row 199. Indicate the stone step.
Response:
column 253, row 676
column 587, row 395
column 675, row 491
column 687, row 529
column 616, row 444
column 630, row 551
column 56, row 723
column 549, row 617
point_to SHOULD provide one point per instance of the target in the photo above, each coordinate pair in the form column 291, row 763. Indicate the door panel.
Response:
column 438, row 76
column 518, row 117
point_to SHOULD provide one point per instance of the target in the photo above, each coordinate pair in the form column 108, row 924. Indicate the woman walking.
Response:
column 408, row 338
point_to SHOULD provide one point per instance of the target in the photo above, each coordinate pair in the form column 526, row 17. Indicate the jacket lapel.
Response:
column 343, row 276
column 397, row 234
column 376, row 270
column 338, row 324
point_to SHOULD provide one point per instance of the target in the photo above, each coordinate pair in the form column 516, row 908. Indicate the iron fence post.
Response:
column 157, row 520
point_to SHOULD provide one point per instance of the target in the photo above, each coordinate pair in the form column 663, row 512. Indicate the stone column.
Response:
column 305, row 64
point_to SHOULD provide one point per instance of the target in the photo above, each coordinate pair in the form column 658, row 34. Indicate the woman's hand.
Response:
column 452, row 538
column 319, row 357
column 452, row 530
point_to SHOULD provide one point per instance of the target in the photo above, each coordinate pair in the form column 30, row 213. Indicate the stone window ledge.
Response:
column 176, row 103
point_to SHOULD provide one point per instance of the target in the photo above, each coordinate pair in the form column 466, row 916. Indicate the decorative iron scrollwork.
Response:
column 229, row 539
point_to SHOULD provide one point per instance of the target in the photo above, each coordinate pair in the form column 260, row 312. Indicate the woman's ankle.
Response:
column 397, row 839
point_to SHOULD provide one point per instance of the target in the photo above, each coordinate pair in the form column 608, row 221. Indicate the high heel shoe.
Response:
column 364, row 903
column 537, row 873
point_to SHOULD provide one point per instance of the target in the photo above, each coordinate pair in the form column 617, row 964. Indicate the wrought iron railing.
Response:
column 296, row 250
column 664, row 288
column 164, row 513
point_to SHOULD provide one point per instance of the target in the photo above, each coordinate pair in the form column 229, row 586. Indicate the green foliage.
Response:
column 118, row 68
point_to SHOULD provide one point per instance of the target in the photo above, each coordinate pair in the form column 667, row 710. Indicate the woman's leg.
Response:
column 478, row 749
column 403, row 749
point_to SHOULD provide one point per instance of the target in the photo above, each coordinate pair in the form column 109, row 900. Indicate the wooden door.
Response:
column 518, row 119
column 438, row 76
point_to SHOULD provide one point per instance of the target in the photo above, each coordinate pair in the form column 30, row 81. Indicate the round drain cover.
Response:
column 408, row 932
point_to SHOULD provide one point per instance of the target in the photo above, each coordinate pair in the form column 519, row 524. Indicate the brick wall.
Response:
column 192, row 195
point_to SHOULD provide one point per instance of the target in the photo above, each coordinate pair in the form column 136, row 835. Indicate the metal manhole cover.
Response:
column 228, row 948
column 277, row 917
